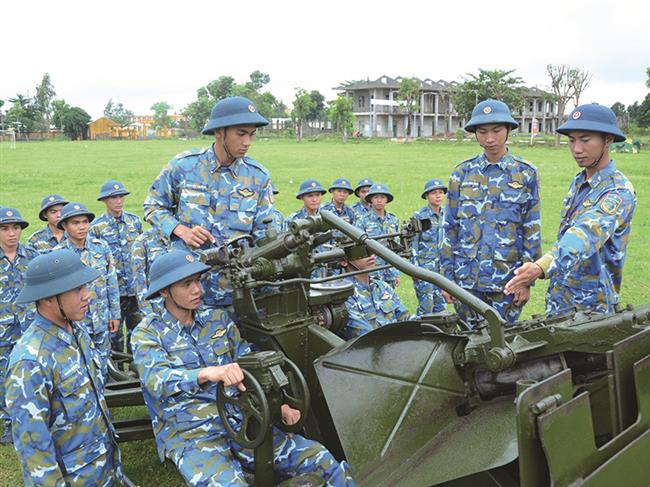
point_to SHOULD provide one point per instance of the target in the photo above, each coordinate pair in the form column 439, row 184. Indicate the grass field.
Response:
column 77, row 169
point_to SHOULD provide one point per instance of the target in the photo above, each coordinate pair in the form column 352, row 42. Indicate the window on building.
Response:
column 531, row 106
column 362, row 101
column 540, row 105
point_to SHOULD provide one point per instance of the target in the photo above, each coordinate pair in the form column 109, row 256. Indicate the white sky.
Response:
column 141, row 52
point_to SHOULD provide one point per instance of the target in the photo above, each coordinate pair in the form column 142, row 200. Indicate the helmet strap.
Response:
column 171, row 296
column 63, row 315
column 225, row 146
column 602, row 153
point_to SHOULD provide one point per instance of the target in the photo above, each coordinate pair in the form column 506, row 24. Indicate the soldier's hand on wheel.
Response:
column 194, row 237
column 229, row 374
column 526, row 275
column 289, row 415
column 113, row 325
column 449, row 299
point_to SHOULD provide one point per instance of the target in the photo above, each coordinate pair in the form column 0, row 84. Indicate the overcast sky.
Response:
column 141, row 52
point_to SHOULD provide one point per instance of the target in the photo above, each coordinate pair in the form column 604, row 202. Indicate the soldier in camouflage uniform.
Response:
column 213, row 195
column 492, row 218
column 47, row 238
column 585, row 266
column 61, row 425
column 426, row 247
column 103, row 315
column 341, row 189
column 278, row 217
column 311, row 193
column 147, row 248
column 374, row 302
column 377, row 222
column 119, row 228
column 361, row 207
column 14, row 317
column 181, row 355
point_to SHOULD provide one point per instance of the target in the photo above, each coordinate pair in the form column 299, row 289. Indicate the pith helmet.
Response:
column 592, row 117
column 433, row 184
column 54, row 273
column 310, row 186
column 490, row 111
column 48, row 202
column 341, row 183
column 234, row 110
column 112, row 188
column 363, row 183
column 379, row 188
column 12, row 215
column 74, row 209
column 172, row 267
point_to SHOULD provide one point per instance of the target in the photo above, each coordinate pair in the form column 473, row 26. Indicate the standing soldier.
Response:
column 585, row 265
column 146, row 248
column 377, row 222
column 14, row 317
column 103, row 314
column 212, row 196
column 374, row 302
column 61, row 425
column 426, row 247
column 341, row 189
column 361, row 207
column 492, row 219
column 181, row 355
column 119, row 228
column 47, row 238
column 278, row 217
column 311, row 193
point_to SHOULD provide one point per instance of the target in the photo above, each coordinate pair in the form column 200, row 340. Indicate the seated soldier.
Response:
column 181, row 356
column 374, row 302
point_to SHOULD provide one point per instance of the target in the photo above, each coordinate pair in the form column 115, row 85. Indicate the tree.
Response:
column 23, row 114
column 2, row 118
column 59, row 109
column 75, row 123
column 197, row 113
column 161, row 120
column 303, row 105
column 43, row 102
column 119, row 114
column 566, row 83
column 643, row 115
column 647, row 72
column 340, row 112
column 317, row 111
column 621, row 115
column 258, row 80
column 409, row 92
column 494, row 84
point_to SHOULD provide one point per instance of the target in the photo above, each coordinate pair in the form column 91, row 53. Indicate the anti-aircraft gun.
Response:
column 550, row 401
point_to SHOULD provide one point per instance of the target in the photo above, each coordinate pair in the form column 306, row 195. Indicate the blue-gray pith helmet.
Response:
column 433, row 184
column 172, row 267
column 490, row 111
column 341, row 183
column 363, row 183
column 379, row 188
column 54, row 273
column 234, row 110
column 74, row 209
column 111, row 188
column 592, row 117
column 48, row 202
column 310, row 186
column 12, row 215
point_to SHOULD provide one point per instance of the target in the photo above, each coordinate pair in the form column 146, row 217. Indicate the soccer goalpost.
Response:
column 8, row 135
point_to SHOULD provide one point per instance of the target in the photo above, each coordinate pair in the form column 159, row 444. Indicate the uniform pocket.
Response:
column 75, row 396
column 82, row 462
column 193, row 207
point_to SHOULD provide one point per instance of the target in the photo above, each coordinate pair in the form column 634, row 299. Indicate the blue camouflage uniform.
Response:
column 60, row 421
column 301, row 213
column 278, row 220
column 185, row 418
column 318, row 272
column 426, row 254
column 492, row 227
column 43, row 240
column 373, row 306
column 228, row 201
column 13, row 317
column 585, row 266
column 146, row 248
column 346, row 213
column 374, row 225
column 104, row 302
column 359, row 210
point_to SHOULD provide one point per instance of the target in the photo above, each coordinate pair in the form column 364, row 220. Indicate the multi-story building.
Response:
column 379, row 113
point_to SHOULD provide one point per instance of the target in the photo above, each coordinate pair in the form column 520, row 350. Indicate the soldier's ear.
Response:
column 164, row 293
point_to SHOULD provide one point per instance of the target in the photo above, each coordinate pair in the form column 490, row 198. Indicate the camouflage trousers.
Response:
column 561, row 299
column 430, row 298
column 5, row 351
column 221, row 462
column 499, row 301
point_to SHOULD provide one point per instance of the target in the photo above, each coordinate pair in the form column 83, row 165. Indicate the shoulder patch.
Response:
column 611, row 203
column 190, row 152
column 471, row 159
column 254, row 163
column 524, row 161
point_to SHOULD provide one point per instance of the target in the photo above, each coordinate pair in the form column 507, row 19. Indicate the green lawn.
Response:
column 77, row 169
